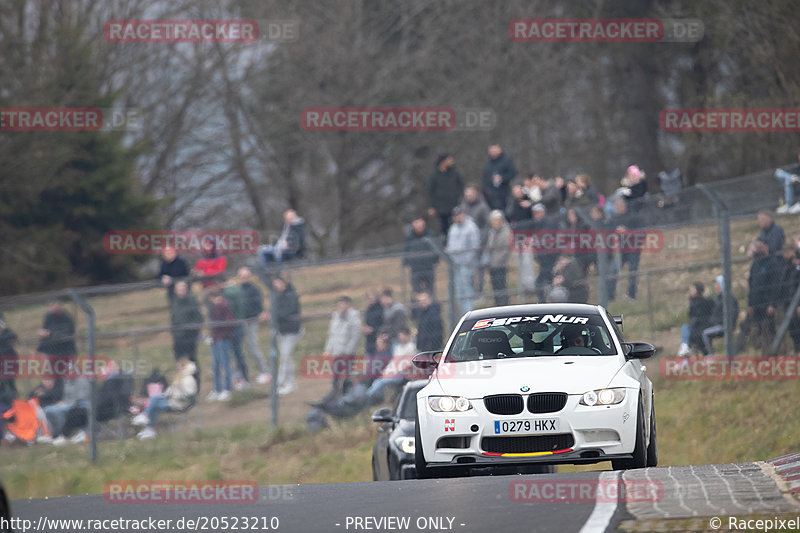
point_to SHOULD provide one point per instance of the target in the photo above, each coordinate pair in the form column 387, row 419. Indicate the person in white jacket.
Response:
column 463, row 246
column 344, row 334
column 179, row 396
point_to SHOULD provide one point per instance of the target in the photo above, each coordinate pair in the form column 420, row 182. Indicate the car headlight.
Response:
column 603, row 397
column 406, row 444
column 446, row 404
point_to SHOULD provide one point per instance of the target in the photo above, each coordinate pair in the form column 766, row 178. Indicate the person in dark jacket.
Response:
column 519, row 208
column 173, row 268
column 700, row 309
column 790, row 279
column 57, row 333
column 185, row 311
column 222, row 336
column 763, row 295
column 287, row 305
column 771, row 233
column 253, row 311
column 419, row 257
column 445, row 188
column 716, row 327
column 540, row 224
column 569, row 274
column 497, row 175
column 428, row 316
column 395, row 316
column 291, row 243
column 373, row 321
column 624, row 220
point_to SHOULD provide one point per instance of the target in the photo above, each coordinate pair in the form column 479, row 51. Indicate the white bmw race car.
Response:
column 535, row 384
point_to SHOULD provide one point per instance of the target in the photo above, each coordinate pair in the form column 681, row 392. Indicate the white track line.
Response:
column 601, row 515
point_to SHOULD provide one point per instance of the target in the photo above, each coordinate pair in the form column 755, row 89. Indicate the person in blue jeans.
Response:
column 222, row 336
column 179, row 396
column 790, row 179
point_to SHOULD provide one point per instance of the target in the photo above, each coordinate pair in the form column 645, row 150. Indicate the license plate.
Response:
column 530, row 426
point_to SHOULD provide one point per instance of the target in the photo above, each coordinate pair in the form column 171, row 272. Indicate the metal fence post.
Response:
column 90, row 351
column 724, row 224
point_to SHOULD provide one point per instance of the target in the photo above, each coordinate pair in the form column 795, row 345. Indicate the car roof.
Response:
column 527, row 309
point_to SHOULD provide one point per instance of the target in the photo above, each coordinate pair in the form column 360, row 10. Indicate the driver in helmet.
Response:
column 574, row 335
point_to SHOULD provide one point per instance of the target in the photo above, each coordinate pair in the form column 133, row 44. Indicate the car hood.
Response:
column 573, row 375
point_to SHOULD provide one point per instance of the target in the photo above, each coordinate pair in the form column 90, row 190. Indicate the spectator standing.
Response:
column 173, row 268
column 477, row 209
column 291, row 243
column 210, row 266
column 428, row 316
column 633, row 186
column 373, row 321
column 519, row 208
column 539, row 225
column 463, row 246
column 419, row 257
column 187, row 320
column 623, row 221
column 498, row 247
column 235, row 297
column 445, row 188
column 253, row 312
column 344, row 334
column 763, row 286
column 395, row 316
column 547, row 193
column 770, row 233
column 497, row 175
column 222, row 336
column 584, row 183
column 57, row 333
column 569, row 275
column 700, row 309
column 716, row 327
column 287, row 305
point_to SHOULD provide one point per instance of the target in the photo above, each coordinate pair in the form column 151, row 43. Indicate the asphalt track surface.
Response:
column 474, row 504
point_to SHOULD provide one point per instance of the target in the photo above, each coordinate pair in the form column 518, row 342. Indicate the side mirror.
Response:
column 384, row 414
column 427, row 359
column 639, row 350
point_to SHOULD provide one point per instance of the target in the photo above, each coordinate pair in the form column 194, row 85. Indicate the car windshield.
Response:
column 529, row 336
column 407, row 405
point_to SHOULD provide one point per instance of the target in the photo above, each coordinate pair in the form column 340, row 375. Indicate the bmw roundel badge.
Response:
column 524, row 388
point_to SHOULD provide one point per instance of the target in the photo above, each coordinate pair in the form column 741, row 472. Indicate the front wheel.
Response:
column 639, row 459
column 420, row 465
column 652, row 448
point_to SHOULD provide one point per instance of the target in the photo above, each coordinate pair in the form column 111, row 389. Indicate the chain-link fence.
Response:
column 686, row 239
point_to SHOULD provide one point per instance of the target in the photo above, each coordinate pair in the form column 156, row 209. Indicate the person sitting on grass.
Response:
column 178, row 397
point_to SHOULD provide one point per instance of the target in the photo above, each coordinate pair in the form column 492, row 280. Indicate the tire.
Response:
column 420, row 465
column 374, row 468
column 652, row 448
column 639, row 459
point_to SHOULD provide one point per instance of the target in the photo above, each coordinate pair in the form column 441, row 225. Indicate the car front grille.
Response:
column 527, row 444
column 504, row 404
column 547, row 402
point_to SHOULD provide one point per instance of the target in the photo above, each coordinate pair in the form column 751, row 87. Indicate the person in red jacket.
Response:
column 211, row 265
